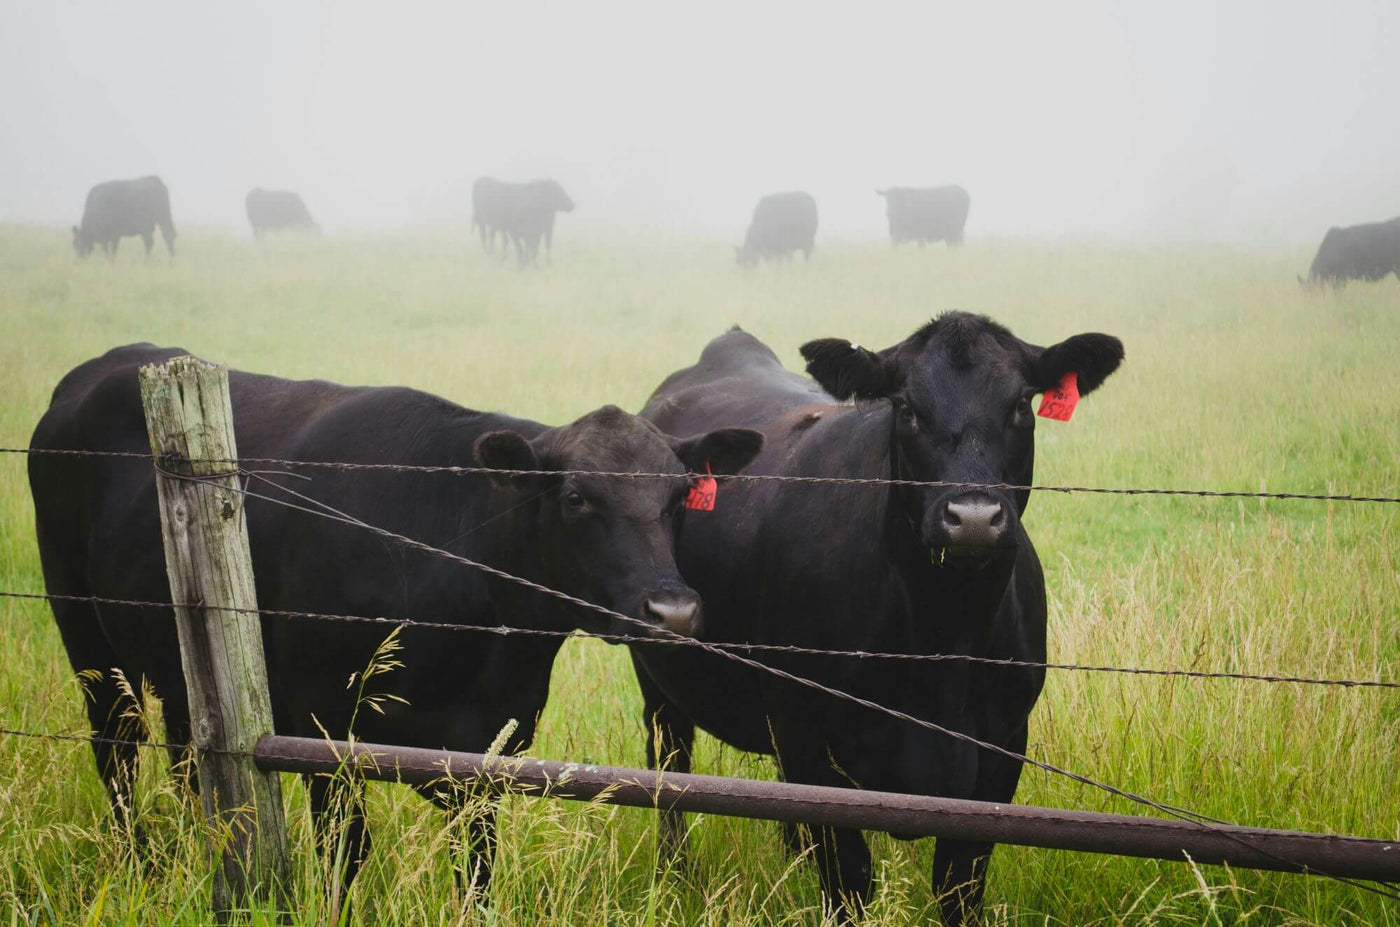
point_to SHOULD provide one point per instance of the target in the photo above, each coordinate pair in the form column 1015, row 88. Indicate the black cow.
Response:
column 277, row 209
column 926, row 214
column 869, row 567
column 119, row 208
column 606, row 541
column 1359, row 252
column 782, row 223
column 519, row 213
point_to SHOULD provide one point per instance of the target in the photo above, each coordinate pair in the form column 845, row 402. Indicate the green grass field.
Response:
column 1234, row 379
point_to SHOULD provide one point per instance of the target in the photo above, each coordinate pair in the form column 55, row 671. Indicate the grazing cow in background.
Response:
column 519, row 213
column 119, row 208
column 905, row 569
column 606, row 541
column 1357, row 252
column 782, row 223
column 926, row 214
column 277, row 209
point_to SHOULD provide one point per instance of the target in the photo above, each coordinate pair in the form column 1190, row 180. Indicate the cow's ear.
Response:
column 726, row 450
column 846, row 370
column 1092, row 356
column 505, row 450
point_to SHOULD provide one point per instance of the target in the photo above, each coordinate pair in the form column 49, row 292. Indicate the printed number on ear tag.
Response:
column 702, row 495
column 1059, row 402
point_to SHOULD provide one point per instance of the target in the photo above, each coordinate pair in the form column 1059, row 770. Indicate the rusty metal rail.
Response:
column 914, row 815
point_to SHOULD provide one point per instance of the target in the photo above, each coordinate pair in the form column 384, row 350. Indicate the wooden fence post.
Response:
column 190, row 421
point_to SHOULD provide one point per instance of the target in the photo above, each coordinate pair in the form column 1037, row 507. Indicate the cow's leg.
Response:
column 960, row 866
column 476, row 851
column 338, row 818
column 115, row 720
column 670, row 741
column 149, row 240
column 841, row 854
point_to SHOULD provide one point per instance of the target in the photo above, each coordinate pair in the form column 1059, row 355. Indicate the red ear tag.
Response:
column 1058, row 403
column 702, row 495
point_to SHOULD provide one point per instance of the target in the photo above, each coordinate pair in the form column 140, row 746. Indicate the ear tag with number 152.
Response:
column 1059, row 401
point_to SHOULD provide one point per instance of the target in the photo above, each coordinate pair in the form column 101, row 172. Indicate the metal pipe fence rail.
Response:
column 1339, row 857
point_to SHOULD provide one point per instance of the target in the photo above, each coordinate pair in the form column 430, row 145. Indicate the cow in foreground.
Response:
column 119, row 208
column 782, row 223
column 926, row 214
column 606, row 541
column 271, row 210
column 868, row 567
column 1359, row 252
column 521, row 214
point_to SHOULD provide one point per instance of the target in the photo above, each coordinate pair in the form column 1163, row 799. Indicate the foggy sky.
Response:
column 1252, row 121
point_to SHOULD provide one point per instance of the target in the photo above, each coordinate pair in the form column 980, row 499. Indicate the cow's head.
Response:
column 82, row 244
column 557, row 198
column 960, row 392
column 609, row 540
column 745, row 256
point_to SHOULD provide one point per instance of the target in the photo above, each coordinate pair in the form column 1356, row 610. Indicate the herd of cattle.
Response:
column 872, row 567
column 521, row 215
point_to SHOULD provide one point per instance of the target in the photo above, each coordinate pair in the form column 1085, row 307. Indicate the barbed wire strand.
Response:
column 508, row 630
column 733, row 477
column 1197, row 818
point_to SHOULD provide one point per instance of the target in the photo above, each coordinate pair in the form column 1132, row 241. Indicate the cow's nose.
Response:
column 974, row 524
column 677, row 615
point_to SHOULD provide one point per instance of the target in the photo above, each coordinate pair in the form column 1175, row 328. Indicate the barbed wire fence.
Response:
column 655, row 636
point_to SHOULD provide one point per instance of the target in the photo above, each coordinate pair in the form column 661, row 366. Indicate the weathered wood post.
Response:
column 190, row 421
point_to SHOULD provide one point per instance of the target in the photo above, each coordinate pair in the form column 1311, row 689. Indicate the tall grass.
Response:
column 1235, row 379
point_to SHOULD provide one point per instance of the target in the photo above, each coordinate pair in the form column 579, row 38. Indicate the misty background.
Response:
column 1242, row 121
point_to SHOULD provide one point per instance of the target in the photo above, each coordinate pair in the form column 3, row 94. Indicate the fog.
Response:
column 1239, row 121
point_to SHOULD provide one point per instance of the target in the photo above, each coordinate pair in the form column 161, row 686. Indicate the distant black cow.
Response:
column 926, row 214
column 782, row 223
column 869, row 567
column 518, row 213
column 606, row 541
column 277, row 209
column 1358, row 252
column 119, row 208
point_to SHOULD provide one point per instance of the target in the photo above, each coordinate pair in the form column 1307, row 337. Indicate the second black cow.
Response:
column 606, row 541
column 926, row 214
column 902, row 569
column 119, row 208
column 1370, row 251
column 273, row 210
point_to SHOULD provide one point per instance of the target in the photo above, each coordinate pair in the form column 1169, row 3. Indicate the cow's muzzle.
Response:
column 677, row 613
column 969, row 529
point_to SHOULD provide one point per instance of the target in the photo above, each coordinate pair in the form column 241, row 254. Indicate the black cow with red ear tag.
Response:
column 942, row 569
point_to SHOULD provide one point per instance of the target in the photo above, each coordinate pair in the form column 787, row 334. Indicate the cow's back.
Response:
column 99, row 533
column 126, row 207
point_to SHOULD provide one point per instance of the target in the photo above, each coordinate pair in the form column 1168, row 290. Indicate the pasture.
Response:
column 1234, row 379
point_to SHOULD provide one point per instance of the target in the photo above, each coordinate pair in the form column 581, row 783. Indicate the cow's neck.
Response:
column 508, row 539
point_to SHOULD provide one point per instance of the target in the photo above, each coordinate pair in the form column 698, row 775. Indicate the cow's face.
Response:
column 610, row 540
column 558, row 198
column 960, row 391
column 82, row 245
column 744, row 257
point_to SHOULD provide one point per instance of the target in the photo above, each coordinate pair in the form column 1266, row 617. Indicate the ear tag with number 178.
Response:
column 1059, row 401
column 702, row 495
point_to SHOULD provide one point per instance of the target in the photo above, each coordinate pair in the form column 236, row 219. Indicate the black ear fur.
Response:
column 725, row 450
column 1093, row 356
column 505, row 450
column 846, row 371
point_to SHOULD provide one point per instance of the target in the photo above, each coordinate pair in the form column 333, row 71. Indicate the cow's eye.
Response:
column 905, row 412
column 1023, row 407
column 574, row 499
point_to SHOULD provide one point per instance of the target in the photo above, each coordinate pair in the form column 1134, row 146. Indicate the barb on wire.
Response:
column 507, row 630
column 1193, row 817
column 742, row 478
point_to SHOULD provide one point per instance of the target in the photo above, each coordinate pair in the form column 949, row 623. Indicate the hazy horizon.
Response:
column 1261, row 122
